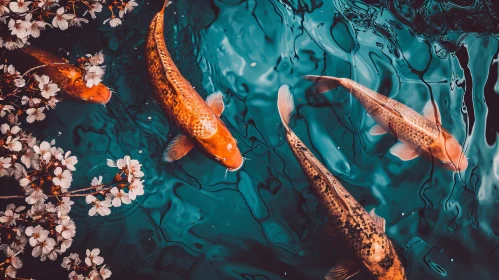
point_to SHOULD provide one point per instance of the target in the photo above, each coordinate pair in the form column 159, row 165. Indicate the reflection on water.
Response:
column 262, row 222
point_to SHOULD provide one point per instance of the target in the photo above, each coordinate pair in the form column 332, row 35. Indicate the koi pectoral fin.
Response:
column 343, row 270
column 177, row 148
column 404, row 151
column 216, row 102
column 329, row 229
column 323, row 83
column 379, row 221
column 377, row 130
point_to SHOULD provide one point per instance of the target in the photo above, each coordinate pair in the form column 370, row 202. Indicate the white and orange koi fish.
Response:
column 418, row 135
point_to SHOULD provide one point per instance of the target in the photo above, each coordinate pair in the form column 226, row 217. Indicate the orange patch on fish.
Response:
column 67, row 76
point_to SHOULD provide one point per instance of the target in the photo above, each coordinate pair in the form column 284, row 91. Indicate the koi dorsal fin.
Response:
column 431, row 112
column 216, row 102
column 379, row 221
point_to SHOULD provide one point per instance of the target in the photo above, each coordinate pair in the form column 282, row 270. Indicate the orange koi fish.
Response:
column 364, row 233
column 67, row 76
column 198, row 120
column 417, row 134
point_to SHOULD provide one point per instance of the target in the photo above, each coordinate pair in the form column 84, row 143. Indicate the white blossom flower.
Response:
column 52, row 102
column 119, row 197
column 134, row 167
column 5, row 164
column 135, row 189
column 96, row 8
column 44, row 247
column 47, row 4
column 74, row 276
column 37, row 210
column 93, row 257
column 12, row 44
column 30, row 159
column 100, row 207
column 130, row 5
column 94, row 76
column 13, row 144
column 37, row 235
column 31, row 101
column 35, row 114
column 44, row 150
column 65, row 244
column 19, row 27
column 5, row 129
column 52, row 254
column 77, row 21
column 113, row 21
column 67, row 229
column 69, row 161
column 64, row 205
column 35, row 26
column 61, row 19
column 103, row 273
column 111, row 163
column 21, row 241
column 96, row 181
column 35, row 195
column 62, row 179
column 5, row 109
column 47, row 88
column 20, row 6
column 9, row 218
column 73, row 259
column 97, row 59
column 15, row 262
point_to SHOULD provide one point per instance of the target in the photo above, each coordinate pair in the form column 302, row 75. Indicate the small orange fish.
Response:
column 67, row 76
column 418, row 135
column 363, row 232
column 198, row 120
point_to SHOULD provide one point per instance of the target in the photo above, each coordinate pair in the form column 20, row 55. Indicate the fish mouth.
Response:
column 236, row 169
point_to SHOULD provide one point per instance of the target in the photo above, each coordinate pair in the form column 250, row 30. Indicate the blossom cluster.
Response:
column 42, row 225
column 92, row 268
column 30, row 95
column 92, row 67
column 21, row 20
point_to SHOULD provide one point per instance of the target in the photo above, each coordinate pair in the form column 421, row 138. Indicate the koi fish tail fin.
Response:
column 285, row 104
column 323, row 83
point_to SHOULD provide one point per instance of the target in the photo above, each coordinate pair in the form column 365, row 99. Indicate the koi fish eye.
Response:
column 445, row 162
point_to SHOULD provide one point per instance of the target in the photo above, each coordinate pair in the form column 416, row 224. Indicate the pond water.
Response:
column 263, row 222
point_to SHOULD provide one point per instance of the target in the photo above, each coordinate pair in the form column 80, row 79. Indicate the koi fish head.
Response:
column 448, row 153
column 223, row 148
column 78, row 90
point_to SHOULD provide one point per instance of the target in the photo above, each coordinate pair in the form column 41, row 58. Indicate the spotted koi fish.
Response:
column 67, row 76
column 364, row 233
column 417, row 134
column 198, row 119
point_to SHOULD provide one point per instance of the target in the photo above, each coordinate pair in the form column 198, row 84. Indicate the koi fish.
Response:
column 363, row 232
column 417, row 134
column 198, row 119
column 67, row 76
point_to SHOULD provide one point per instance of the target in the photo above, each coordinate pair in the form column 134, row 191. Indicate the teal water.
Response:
column 262, row 222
